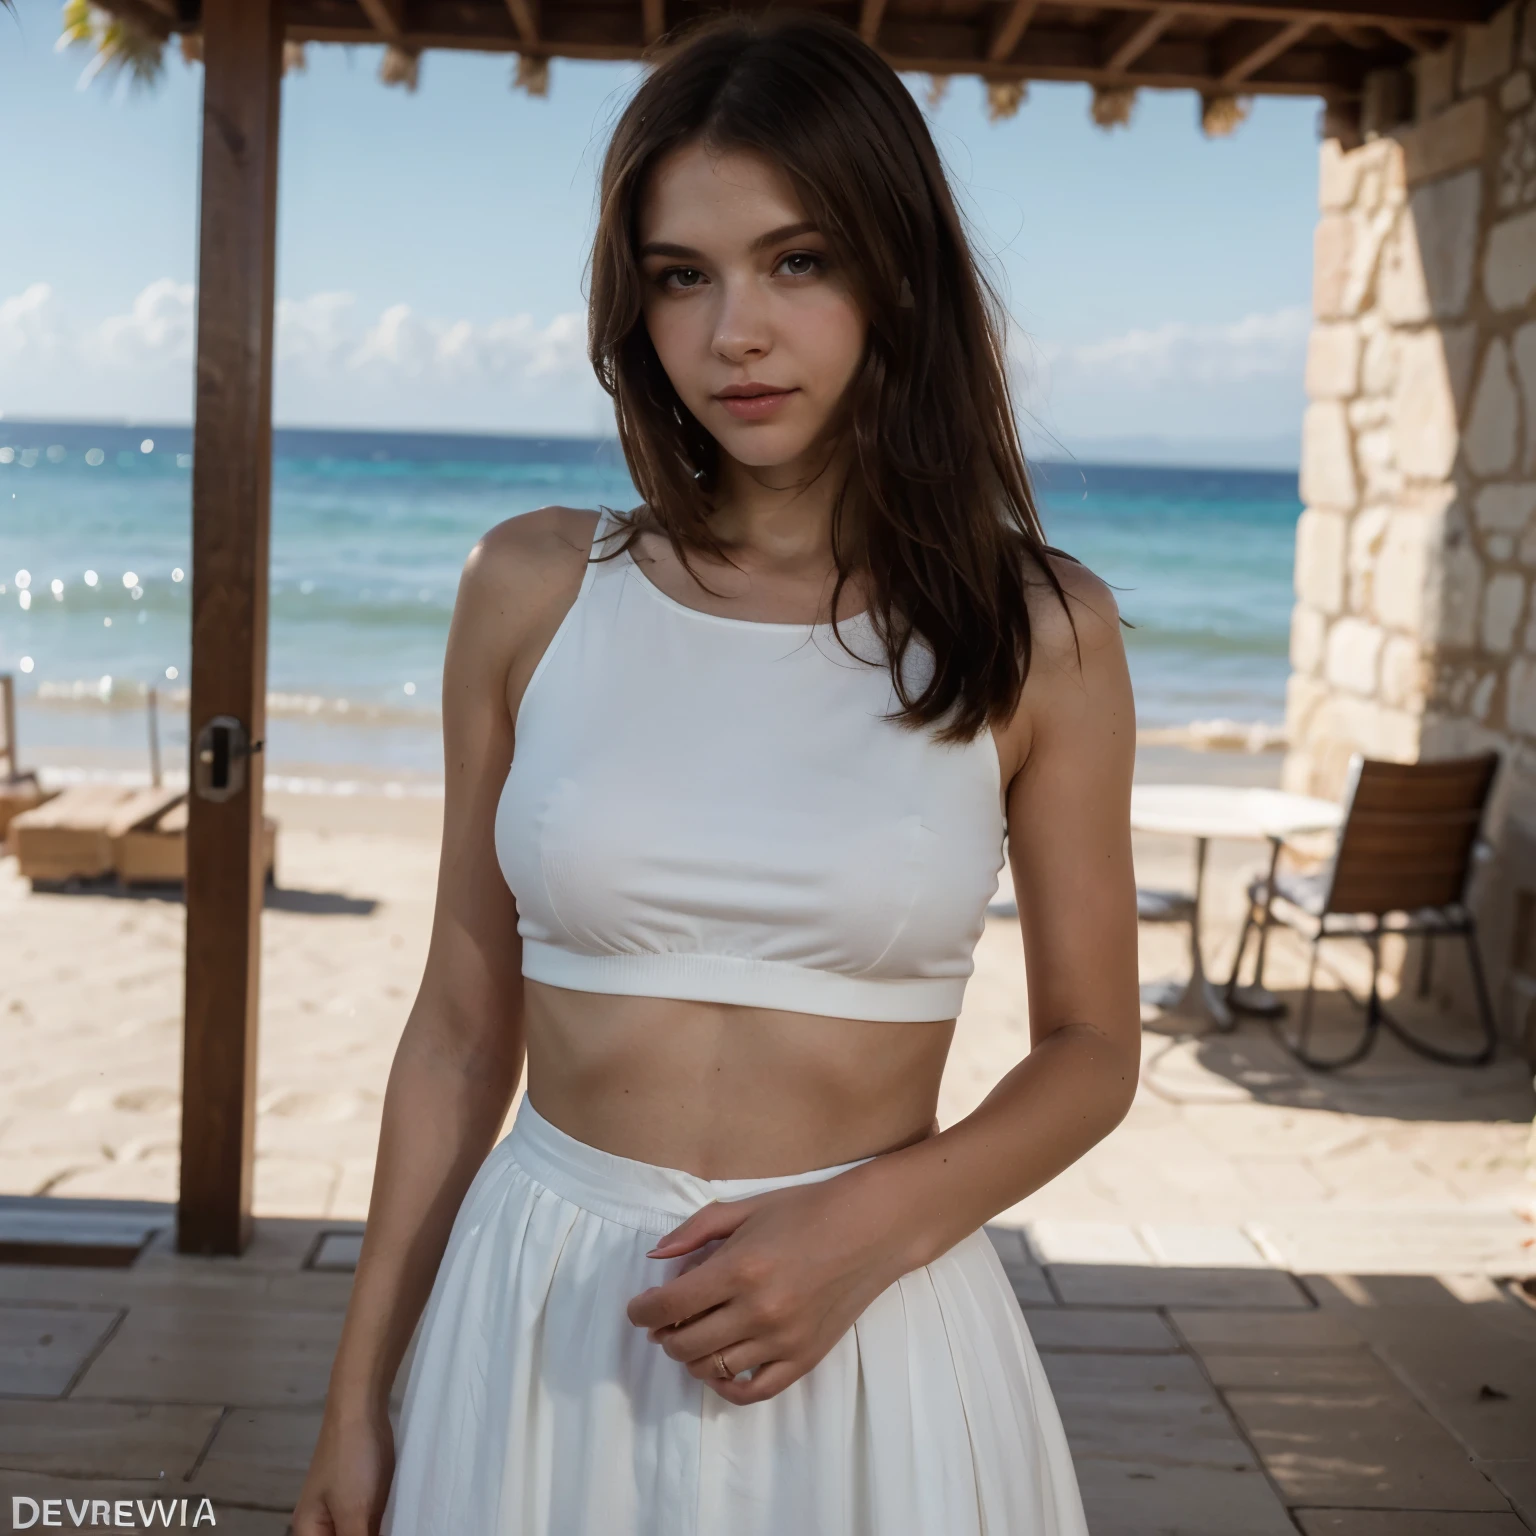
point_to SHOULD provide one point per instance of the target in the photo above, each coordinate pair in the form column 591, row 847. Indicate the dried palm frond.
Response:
column 1004, row 98
column 1112, row 105
column 400, row 67
column 295, row 60
column 122, row 47
column 938, row 88
column 1220, row 115
column 531, row 74
column 192, row 47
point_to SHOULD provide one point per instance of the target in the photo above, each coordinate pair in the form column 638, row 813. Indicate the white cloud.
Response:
column 1257, row 346
column 29, row 328
column 331, row 364
column 157, row 330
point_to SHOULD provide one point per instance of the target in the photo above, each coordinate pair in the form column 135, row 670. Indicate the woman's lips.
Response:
column 755, row 407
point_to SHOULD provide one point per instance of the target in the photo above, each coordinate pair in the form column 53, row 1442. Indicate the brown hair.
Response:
column 946, row 519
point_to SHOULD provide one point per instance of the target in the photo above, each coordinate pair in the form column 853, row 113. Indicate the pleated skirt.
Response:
column 534, row 1407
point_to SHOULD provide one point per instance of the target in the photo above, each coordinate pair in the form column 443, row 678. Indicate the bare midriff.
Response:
column 724, row 1091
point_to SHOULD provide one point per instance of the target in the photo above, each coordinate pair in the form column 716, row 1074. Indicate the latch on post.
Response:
column 218, row 758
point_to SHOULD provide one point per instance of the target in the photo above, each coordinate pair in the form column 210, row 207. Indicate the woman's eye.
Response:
column 689, row 273
column 805, row 263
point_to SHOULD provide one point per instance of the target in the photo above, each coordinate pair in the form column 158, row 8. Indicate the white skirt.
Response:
column 534, row 1407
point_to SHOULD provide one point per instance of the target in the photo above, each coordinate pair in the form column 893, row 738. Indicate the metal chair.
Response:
column 1406, row 849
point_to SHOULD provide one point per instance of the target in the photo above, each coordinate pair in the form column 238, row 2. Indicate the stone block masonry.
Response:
column 1414, row 629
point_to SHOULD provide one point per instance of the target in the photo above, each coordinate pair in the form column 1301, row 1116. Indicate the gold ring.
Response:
column 722, row 1367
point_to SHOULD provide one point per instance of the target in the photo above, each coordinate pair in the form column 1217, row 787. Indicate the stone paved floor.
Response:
column 1199, row 1400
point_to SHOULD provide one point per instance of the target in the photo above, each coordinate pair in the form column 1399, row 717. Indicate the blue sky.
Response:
column 431, row 248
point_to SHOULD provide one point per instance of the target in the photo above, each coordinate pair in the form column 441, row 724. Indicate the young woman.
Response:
column 728, row 780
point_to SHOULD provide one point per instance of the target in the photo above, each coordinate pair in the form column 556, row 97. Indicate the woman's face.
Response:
column 742, row 293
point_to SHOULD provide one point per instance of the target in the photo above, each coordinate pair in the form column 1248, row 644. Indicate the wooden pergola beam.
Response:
column 1131, row 36
column 653, row 19
column 1005, row 39
column 231, row 493
column 618, row 33
column 1246, row 47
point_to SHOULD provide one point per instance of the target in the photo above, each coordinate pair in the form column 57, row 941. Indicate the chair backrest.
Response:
column 1408, row 833
column 8, row 726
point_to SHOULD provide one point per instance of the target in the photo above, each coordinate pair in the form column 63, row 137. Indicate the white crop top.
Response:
column 711, row 808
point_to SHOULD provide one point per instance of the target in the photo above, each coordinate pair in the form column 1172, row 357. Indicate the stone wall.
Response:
column 1414, row 630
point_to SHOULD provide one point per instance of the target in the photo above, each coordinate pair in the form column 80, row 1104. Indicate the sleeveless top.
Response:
column 712, row 808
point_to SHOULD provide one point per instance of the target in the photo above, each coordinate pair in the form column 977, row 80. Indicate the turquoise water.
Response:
column 370, row 531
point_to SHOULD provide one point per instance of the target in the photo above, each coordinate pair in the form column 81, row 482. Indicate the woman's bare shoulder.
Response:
column 524, row 568
column 1083, row 619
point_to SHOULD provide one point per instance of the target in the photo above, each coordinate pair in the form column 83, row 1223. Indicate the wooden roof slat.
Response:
column 527, row 23
column 871, row 12
column 387, row 18
column 1247, row 46
column 1014, row 24
column 1130, row 37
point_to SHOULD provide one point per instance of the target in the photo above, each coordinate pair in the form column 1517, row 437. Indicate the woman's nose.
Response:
column 742, row 326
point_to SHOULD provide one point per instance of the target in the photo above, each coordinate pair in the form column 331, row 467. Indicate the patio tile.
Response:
column 1373, row 1449
column 1205, row 1247
column 1516, row 1480
column 1473, row 1368
column 100, row 1440
column 1086, row 1242
column 1099, row 1330
column 1402, row 1522
column 1143, row 1408
column 43, row 1348
column 1134, row 1498
column 1347, row 1370
column 272, row 1359
column 1265, row 1332
column 259, row 1456
column 1124, row 1285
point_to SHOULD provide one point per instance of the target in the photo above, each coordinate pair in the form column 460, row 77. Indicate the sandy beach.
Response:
column 1225, row 1131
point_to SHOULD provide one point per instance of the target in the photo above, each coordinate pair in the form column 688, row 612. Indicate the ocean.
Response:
column 370, row 531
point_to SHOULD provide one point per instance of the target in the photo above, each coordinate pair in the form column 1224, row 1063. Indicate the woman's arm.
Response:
column 804, row 1262
column 460, row 1056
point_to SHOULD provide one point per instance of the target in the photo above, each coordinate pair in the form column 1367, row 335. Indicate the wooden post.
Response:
column 231, row 485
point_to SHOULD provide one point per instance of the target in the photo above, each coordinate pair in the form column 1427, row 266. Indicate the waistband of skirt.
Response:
column 644, row 1196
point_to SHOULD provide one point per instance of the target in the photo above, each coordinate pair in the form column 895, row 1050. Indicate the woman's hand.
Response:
column 347, row 1485
column 787, row 1276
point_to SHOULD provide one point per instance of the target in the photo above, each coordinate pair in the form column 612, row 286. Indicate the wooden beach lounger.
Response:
column 93, row 830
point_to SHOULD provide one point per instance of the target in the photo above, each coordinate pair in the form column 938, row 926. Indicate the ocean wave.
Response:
column 124, row 693
column 1219, row 735
column 63, row 775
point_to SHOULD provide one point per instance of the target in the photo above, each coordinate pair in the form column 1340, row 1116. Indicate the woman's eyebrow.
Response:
column 773, row 236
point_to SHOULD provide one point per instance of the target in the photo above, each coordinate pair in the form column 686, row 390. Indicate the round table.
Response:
column 1204, row 811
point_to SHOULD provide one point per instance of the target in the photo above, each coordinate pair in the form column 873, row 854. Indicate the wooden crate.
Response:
column 71, row 835
column 155, row 851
